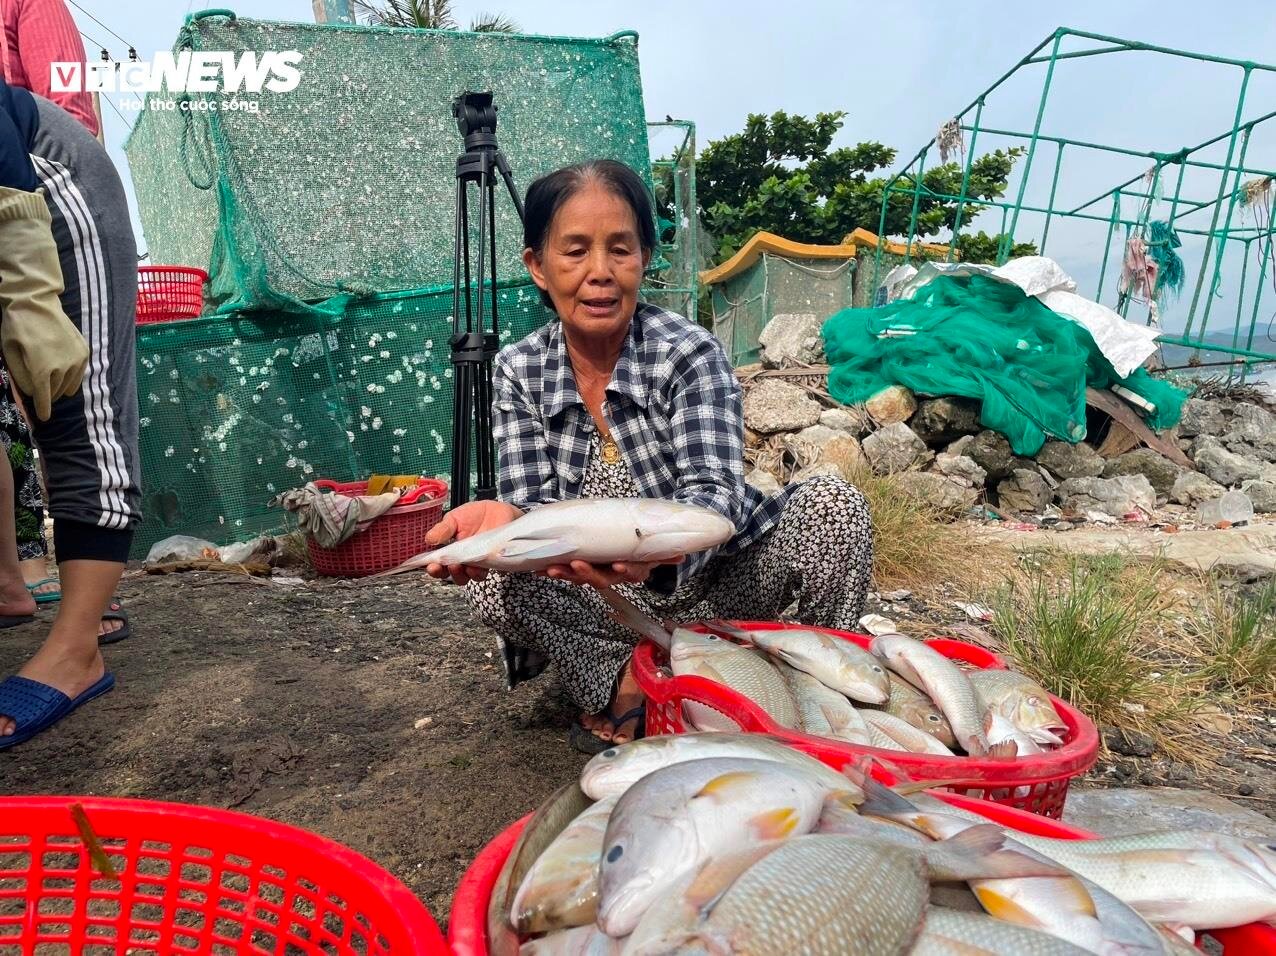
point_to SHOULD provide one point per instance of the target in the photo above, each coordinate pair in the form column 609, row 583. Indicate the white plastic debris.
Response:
column 181, row 547
column 976, row 612
column 876, row 625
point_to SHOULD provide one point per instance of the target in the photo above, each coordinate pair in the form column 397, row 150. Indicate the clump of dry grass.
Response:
column 914, row 545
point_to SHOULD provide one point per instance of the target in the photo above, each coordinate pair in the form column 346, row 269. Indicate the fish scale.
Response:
column 945, row 682
column 822, row 896
column 736, row 667
column 950, row 932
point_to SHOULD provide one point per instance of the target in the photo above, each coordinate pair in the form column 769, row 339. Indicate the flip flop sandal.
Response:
column 47, row 598
column 115, row 612
column 36, row 707
column 7, row 620
column 587, row 742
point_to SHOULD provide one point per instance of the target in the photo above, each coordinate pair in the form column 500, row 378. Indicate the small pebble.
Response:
column 1245, row 790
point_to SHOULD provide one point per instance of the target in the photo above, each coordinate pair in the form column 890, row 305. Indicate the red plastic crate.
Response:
column 1038, row 784
column 467, row 924
column 165, row 293
column 390, row 540
column 194, row 880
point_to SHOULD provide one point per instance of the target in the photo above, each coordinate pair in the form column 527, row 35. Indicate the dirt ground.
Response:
column 309, row 704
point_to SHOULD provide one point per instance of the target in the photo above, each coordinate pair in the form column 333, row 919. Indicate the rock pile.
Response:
column 941, row 453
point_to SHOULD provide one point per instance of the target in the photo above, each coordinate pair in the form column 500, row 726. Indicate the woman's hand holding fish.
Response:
column 465, row 521
column 604, row 575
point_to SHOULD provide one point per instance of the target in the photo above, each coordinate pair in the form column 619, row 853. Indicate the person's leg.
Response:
column 15, row 599
column 819, row 553
column 89, row 444
column 566, row 625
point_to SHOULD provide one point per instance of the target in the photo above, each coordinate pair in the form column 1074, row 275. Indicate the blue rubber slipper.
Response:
column 35, row 707
column 47, row 598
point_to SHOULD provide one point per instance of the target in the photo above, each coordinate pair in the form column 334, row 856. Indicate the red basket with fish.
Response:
column 192, row 879
column 1036, row 783
column 390, row 540
column 467, row 924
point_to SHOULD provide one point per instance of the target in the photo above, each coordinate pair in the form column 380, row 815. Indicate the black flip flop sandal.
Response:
column 587, row 742
column 115, row 612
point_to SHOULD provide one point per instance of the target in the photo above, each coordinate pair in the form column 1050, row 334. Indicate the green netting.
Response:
column 238, row 408
column 980, row 338
column 347, row 183
column 776, row 285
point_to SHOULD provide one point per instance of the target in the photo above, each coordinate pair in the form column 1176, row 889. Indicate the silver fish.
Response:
column 945, row 682
column 551, row 817
column 911, row 705
column 948, row 932
column 616, row 769
column 839, row 664
column 733, row 666
column 597, row 530
column 561, row 888
column 1022, row 702
column 675, row 820
column 823, row 711
column 905, row 734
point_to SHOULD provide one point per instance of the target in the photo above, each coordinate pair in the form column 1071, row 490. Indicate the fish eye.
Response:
column 876, row 669
column 608, row 754
column 1034, row 701
column 615, row 853
column 713, row 637
column 933, row 718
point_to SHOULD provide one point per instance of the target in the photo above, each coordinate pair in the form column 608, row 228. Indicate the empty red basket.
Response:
column 165, row 293
column 390, row 540
column 1038, row 784
column 194, row 880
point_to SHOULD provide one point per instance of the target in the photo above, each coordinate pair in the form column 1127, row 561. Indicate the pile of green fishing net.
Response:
column 976, row 337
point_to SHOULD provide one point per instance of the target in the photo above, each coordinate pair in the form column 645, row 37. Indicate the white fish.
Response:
column 1023, row 703
column 839, row 664
column 616, row 769
column 949, row 933
column 739, row 668
column 911, row 705
column 561, row 888
column 673, row 821
column 579, row 941
column 597, row 530
column 945, row 682
column 824, row 712
column 905, row 734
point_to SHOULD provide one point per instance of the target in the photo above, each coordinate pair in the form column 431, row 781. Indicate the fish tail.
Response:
column 625, row 612
column 879, row 800
column 1004, row 750
column 411, row 564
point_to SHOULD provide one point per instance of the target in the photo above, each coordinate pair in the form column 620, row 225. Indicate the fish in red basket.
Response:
column 597, row 530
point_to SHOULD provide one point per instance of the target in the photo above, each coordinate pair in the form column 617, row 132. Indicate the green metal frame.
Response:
column 685, row 245
column 910, row 180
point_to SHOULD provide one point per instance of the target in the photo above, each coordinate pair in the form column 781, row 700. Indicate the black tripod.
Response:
column 474, row 345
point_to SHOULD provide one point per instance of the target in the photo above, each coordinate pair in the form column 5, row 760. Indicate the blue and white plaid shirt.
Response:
column 673, row 406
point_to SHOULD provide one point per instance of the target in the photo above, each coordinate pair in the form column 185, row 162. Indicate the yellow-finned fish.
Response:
column 675, row 820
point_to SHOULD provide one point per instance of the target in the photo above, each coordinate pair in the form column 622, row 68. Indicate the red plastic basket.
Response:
column 193, row 880
column 1038, row 784
column 390, row 540
column 467, row 924
column 165, row 293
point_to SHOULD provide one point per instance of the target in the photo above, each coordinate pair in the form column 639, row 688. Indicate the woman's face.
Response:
column 591, row 264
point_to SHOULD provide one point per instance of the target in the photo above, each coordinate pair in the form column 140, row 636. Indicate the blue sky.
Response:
column 898, row 69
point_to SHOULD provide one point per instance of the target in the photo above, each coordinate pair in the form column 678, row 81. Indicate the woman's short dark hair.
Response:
column 546, row 196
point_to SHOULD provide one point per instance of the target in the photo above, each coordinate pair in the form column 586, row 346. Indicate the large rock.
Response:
column 852, row 419
column 937, row 491
column 1024, row 492
column 1191, row 488
column 891, row 405
column 1226, row 467
column 792, row 337
column 962, row 468
column 1263, row 494
column 1120, row 812
column 895, row 448
column 1065, row 460
column 819, row 443
column 943, row 419
column 773, row 406
column 1151, row 464
column 1114, row 496
column 1202, row 417
column 991, row 452
column 962, row 447
column 1254, row 427
column 764, row 481
column 816, row 470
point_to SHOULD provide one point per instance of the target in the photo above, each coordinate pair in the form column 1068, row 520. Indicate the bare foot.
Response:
column 628, row 696
column 37, row 569
column 106, row 627
column 15, row 599
column 62, row 667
